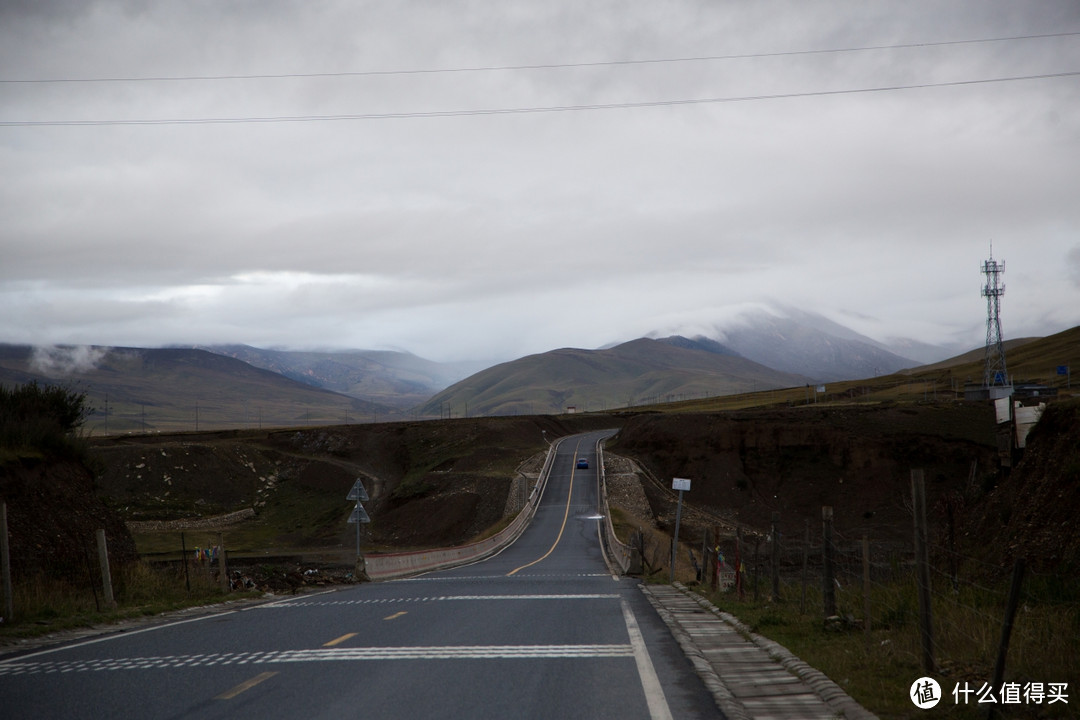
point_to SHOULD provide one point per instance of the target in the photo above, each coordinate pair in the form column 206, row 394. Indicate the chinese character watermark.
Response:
column 925, row 693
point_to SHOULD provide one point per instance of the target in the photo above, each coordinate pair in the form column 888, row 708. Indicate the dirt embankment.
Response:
column 53, row 517
column 745, row 466
column 430, row 483
column 1032, row 512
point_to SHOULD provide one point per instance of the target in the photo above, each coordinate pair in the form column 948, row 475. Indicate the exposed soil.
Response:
column 745, row 466
column 442, row 483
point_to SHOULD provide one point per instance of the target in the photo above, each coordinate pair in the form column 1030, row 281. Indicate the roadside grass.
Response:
column 47, row 603
column 877, row 669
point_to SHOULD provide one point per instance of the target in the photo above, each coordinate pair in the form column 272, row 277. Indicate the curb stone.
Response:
column 725, row 700
column 829, row 692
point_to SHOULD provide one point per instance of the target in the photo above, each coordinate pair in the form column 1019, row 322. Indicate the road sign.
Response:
column 358, row 492
column 359, row 515
column 680, row 484
column 1062, row 369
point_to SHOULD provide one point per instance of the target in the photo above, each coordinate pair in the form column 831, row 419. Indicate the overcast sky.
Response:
column 414, row 223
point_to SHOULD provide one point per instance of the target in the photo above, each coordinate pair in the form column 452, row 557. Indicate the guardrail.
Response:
column 626, row 557
column 395, row 565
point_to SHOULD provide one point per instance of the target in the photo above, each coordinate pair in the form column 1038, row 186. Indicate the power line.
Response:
column 544, row 66
column 522, row 110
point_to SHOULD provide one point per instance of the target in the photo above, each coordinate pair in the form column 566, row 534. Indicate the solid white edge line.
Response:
column 650, row 683
column 112, row 636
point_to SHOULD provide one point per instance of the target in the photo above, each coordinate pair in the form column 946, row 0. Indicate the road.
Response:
column 542, row 630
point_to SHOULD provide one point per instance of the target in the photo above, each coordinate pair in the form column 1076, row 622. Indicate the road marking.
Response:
column 246, row 685
column 338, row 641
column 569, row 496
column 203, row 661
column 452, row 598
column 650, row 683
column 395, row 616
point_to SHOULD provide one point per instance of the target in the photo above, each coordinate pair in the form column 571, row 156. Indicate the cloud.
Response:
column 492, row 235
column 61, row 361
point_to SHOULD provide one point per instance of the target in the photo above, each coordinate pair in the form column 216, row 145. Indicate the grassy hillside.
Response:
column 394, row 379
column 1030, row 360
column 163, row 390
column 635, row 373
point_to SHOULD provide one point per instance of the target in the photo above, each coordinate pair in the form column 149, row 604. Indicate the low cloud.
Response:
column 64, row 360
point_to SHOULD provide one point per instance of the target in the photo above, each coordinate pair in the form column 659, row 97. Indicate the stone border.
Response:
column 831, row 693
column 723, row 697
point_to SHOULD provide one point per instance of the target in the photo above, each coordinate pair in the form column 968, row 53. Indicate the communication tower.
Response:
column 994, row 372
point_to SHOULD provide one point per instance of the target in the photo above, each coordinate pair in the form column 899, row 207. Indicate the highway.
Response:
column 541, row 630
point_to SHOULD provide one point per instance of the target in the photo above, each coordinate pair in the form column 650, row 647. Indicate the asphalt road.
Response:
column 542, row 630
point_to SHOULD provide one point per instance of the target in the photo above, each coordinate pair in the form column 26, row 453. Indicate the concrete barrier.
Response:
column 388, row 566
column 626, row 557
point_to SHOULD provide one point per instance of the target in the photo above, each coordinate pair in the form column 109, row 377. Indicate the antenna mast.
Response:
column 994, row 372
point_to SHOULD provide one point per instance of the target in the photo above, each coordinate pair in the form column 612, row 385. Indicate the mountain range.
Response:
column 136, row 389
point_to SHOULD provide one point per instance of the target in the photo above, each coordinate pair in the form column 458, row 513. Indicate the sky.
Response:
column 481, row 181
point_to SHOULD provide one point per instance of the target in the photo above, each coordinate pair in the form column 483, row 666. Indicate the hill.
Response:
column 395, row 380
column 154, row 390
column 811, row 345
column 638, row 372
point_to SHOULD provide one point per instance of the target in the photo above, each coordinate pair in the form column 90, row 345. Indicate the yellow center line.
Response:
column 566, row 515
column 395, row 616
column 246, row 685
column 338, row 641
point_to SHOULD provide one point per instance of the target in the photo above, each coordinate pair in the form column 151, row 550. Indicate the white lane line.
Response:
column 468, row 652
column 445, row 598
column 650, row 683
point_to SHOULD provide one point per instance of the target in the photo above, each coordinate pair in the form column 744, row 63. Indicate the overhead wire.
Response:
column 539, row 66
column 525, row 110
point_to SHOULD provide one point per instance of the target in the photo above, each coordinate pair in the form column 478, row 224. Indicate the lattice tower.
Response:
column 994, row 372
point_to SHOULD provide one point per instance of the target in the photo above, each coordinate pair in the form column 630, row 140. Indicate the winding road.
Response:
column 541, row 630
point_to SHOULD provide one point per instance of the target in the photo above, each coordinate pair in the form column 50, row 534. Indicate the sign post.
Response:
column 358, row 515
column 682, row 485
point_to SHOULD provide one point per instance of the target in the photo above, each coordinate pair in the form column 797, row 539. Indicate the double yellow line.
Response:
column 566, row 515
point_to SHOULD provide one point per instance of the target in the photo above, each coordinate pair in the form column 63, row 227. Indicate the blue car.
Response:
column 582, row 464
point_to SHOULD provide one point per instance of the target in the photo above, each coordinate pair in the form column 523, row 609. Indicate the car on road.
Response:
column 582, row 464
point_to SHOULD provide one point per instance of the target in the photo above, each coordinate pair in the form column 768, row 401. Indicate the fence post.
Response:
column 106, row 576
column 1006, row 630
column 739, row 590
column 222, row 565
column 922, row 567
column 757, row 564
column 828, row 587
column 805, row 562
column 866, row 587
column 5, row 566
column 775, row 559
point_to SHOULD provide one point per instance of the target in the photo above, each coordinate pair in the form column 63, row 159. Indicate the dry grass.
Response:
column 877, row 669
column 45, row 604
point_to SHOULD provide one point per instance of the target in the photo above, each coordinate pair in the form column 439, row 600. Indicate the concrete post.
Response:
column 5, row 565
column 106, row 575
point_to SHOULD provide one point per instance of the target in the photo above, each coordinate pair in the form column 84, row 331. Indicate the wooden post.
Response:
column 805, row 562
column 775, row 557
column 866, row 587
column 757, row 564
column 183, row 554
column 1006, row 630
column 828, row 588
column 739, row 590
column 106, row 576
column 222, row 565
column 5, row 566
column 922, row 568
column 716, row 558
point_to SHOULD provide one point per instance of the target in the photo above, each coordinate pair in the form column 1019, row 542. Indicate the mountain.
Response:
column 799, row 342
column 638, row 372
column 394, row 379
column 167, row 389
